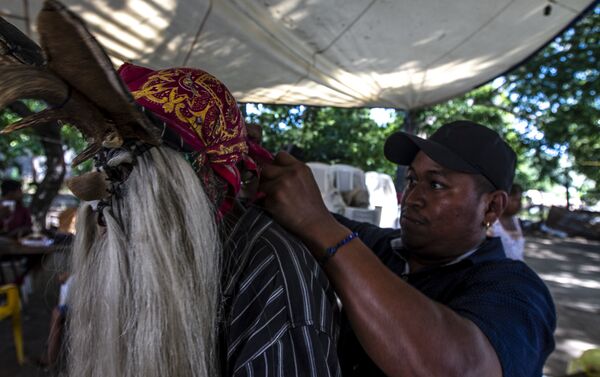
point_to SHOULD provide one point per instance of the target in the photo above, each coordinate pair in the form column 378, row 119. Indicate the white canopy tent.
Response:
column 350, row 53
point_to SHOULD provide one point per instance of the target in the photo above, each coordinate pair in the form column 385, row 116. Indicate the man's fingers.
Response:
column 281, row 163
column 270, row 188
column 269, row 194
column 270, row 172
column 285, row 159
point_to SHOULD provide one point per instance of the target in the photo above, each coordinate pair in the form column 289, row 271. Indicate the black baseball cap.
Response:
column 463, row 146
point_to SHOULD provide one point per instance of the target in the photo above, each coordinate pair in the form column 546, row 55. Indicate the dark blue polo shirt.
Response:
column 503, row 297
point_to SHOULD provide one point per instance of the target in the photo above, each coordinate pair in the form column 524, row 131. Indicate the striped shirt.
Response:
column 280, row 315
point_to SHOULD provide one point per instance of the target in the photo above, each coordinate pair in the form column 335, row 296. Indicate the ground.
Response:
column 570, row 268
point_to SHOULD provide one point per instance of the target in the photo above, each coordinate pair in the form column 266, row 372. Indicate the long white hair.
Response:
column 145, row 290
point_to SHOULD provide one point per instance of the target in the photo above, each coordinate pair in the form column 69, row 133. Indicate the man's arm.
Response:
column 403, row 331
column 375, row 238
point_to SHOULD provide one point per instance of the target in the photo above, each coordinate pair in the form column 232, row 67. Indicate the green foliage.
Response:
column 557, row 93
column 73, row 140
column 16, row 144
column 26, row 143
column 326, row 134
column 486, row 106
column 481, row 105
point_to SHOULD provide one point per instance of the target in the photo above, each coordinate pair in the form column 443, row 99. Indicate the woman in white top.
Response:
column 507, row 227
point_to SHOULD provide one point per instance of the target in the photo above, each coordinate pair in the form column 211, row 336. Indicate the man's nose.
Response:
column 414, row 196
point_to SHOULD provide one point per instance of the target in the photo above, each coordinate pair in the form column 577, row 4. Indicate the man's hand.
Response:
column 294, row 200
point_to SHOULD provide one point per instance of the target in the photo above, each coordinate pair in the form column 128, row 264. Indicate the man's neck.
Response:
column 417, row 262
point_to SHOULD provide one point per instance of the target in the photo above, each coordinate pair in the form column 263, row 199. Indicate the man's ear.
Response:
column 496, row 204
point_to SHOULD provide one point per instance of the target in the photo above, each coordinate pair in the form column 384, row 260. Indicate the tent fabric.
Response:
column 349, row 53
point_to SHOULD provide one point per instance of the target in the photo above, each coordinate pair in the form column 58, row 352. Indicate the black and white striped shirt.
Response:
column 280, row 315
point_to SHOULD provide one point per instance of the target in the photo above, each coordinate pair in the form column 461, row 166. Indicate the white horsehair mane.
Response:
column 145, row 290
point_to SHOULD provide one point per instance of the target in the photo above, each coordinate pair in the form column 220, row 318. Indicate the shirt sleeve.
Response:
column 377, row 239
column 283, row 318
column 514, row 309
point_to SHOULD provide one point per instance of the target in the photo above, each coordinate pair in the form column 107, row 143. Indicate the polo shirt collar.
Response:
column 490, row 250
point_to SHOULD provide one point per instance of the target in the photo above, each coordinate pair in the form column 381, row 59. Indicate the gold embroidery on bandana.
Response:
column 197, row 99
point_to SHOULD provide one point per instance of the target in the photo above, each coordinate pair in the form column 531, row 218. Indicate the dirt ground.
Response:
column 570, row 268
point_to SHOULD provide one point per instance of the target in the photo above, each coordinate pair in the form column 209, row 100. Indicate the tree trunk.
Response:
column 55, row 165
column 567, row 185
column 17, row 48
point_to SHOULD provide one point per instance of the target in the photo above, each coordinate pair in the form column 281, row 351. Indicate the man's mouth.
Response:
column 412, row 219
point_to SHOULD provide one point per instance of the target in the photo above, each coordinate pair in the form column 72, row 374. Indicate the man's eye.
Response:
column 436, row 185
column 409, row 180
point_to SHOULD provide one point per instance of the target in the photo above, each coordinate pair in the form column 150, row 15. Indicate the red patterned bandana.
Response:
column 203, row 112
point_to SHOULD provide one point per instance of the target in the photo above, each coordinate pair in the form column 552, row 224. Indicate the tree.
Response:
column 49, row 138
column 556, row 93
column 547, row 109
column 485, row 105
column 50, row 141
column 13, row 146
column 46, row 140
column 326, row 134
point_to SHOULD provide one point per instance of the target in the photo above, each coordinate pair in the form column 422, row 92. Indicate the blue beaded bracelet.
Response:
column 330, row 251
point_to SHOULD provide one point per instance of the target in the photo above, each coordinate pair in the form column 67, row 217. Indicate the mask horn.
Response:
column 75, row 55
column 17, row 48
column 27, row 82
column 71, row 106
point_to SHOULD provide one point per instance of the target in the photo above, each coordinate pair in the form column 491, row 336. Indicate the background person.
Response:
column 508, row 227
column 437, row 298
column 15, row 218
column 54, row 343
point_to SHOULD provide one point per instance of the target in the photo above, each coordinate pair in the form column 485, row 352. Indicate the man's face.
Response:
column 442, row 212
